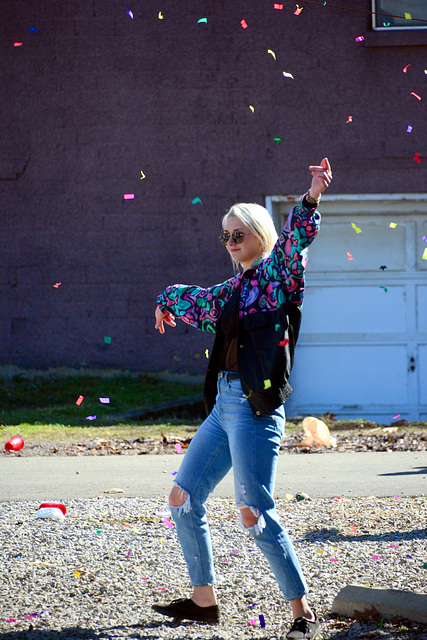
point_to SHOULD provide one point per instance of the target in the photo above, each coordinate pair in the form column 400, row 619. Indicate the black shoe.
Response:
column 186, row 608
column 303, row 628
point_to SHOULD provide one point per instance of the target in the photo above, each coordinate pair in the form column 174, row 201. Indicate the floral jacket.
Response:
column 270, row 305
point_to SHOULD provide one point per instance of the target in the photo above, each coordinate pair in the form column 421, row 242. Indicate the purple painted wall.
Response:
column 94, row 97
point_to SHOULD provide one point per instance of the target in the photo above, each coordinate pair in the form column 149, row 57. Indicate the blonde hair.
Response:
column 259, row 222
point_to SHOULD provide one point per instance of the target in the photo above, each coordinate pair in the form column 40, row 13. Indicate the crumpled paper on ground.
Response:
column 316, row 433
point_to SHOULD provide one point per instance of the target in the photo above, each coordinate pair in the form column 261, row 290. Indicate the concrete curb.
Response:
column 354, row 599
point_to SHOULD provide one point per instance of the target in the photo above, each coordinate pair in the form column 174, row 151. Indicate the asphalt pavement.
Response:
column 321, row 475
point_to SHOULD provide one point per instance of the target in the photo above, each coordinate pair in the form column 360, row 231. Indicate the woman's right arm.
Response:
column 195, row 305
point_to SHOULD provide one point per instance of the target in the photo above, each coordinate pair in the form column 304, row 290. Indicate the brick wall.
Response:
column 94, row 97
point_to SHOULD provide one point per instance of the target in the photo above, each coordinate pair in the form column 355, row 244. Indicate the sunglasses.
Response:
column 236, row 235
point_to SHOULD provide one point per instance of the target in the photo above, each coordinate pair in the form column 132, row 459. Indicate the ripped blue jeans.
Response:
column 232, row 437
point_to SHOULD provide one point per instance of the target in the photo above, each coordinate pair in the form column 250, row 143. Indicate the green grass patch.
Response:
column 49, row 402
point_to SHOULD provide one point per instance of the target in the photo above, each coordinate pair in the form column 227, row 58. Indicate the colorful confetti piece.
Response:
column 360, row 38
column 168, row 523
column 107, row 339
column 393, row 225
column 349, row 256
column 251, row 108
column 129, row 12
column 267, row 384
column 18, row 44
column 385, row 288
column 408, row 16
column 90, row 417
column 243, row 23
column 424, row 256
column 298, row 10
column 196, row 200
column 128, row 196
column 424, row 238
column 142, row 175
column 80, row 400
column 261, row 620
column 395, row 417
column 160, row 15
column 409, row 129
column 278, row 6
column 57, row 284
column 405, row 69
column 415, row 95
column 205, row 20
column 349, row 119
column 272, row 53
column 178, row 447
column 277, row 139
column 417, row 158
column 283, row 342
column 104, row 400
column 356, row 228
column 288, row 75
column 207, row 353
column 354, row 529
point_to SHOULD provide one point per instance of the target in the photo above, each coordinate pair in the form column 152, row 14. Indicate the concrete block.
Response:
column 387, row 602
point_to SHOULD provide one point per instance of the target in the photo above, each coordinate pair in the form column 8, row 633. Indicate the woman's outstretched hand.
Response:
column 322, row 176
column 164, row 317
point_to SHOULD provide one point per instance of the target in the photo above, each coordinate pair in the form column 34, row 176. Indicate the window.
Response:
column 413, row 12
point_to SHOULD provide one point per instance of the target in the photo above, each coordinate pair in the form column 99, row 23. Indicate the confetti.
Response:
column 251, row 108
column 385, row 288
column 178, row 447
column 377, row 557
column 272, row 53
column 278, row 6
column 289, row 496
column 425, row 565
column 205, row 20
column 383, row 267
column 409, row 129
column 425, row 238
column 394, row 546
column 288, row 75
column 298, row 10
column 196, row 200
column 207, row 353
column 17, row 44
column 142, row 175
column 360, row 38
column 107, row 339
column 80, row 400
column 415, row 95
column 261, row 620
column 393, row 225
column 11, row 620
column 405, row 69
column 168, row 523
column 354, row 529
column 128, row 196
column 90, row 417
column 251, row 622
column 243, row 23
column 129, row 12
column 349, row 119
column 160, row 15
column 77, row 574
column 408, row 16
column 356, row 228
column 334, row 560
column 350, row 257
column 283, row 342
column 267, row 384
column 57, row 284
column 104, row 400
column 277, row 139
column 395, row 417
column 32, row 30
column 417, row 158
column 424, row 256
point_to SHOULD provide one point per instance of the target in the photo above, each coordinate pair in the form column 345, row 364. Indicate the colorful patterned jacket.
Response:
column 271, row 296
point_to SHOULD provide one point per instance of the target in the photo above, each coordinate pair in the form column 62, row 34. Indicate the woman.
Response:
column 256, row 317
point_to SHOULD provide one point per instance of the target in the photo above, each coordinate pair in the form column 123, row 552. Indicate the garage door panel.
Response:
column 421, row 293
column 377, row 244
column 350, row 375
column 422, row 372
column 352, row 309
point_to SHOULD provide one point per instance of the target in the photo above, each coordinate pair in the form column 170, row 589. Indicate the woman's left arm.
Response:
column 289, row 255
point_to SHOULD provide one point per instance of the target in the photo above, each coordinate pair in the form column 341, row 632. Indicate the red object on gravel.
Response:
column 14, row 444
column 53, row 505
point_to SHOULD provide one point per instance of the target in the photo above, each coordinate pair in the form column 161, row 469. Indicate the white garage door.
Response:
column 362, row 351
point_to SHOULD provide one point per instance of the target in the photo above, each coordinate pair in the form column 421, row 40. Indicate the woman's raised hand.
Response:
column 322, row 176
column 163, row 317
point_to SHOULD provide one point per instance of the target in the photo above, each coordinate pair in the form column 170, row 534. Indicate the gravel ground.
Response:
column 96, row 574
column 376, row 439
